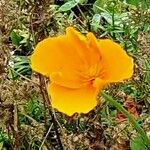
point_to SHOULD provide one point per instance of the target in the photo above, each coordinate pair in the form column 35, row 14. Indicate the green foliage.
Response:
column 1, row 145
column 147, row 75
column 115, row 19
column 133, row 2
column 4, row 140
column 16, row 39
column 21, row 38
column 68, row 5
column 34, row 109
column 3, row 136
column 19, row 65
column 132, row 90
column 95, row 23
column 145, row 139
column 109, row 5
column 76, row 125
column 22, row 46
column 138, row 144
column 108, row 115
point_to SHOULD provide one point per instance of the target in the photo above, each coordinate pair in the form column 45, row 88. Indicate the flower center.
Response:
column 97, row 82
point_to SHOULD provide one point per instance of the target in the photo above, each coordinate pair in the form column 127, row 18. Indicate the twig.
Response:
column 82, row 13
column 46, row 136
column 42, row 89
column 80, row 20
column 46, row 98
column 15, row 119
column 113, row 23
column 30, row 118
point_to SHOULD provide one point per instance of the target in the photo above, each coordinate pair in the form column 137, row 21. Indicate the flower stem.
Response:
column 130, row 118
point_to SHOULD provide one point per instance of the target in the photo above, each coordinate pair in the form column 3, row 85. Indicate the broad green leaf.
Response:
column 107, row 17
column 81, row 1
column 138, row 144
column 68, row 5
column 96, row 22
column 15, row 38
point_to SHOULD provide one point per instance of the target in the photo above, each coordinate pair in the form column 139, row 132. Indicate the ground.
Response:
column 26, row 120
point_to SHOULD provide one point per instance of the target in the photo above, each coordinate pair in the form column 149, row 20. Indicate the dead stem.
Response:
column 16, row 136
column 85, row 18
column 84, row 24
column 46, row 137
column 51, row 111
column 15, row 119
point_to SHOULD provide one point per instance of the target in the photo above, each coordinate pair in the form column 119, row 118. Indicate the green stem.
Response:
column 130, row 118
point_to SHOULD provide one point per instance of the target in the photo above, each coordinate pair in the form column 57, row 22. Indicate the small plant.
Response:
column 34, row 109
column 4, row 140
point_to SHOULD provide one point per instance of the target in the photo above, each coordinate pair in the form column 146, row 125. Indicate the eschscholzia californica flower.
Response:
column 79, row 67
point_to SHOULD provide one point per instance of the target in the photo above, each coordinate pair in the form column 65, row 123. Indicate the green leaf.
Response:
column 34, row 109
column 147, row 76
column 68, row 5
column 12, row 74
column 133, row 2
column 96, row 22
column 107, row 17
column 81, row 1
column 1, row 145
column 109, row 6
column 15, row 38
column 98, row 6
column 137, row 144
column 20, row 65
column 145, row 139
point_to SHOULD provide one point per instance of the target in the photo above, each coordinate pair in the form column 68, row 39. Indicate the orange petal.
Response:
column 68, row 60
column 86, row 46
column 70, row 101
column 57, row 57
column 117, row 65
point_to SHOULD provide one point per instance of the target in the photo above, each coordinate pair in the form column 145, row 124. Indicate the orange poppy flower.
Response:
column 78, row 67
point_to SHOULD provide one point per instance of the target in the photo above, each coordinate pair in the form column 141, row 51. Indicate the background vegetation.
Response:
column 26, row 120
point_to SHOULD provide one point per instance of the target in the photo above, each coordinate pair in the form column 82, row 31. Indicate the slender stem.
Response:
column 46, row 136
column 113, row 22
column 130, row 118
column 85, row 18
column 15, row 111
column 78, row 18
column 34, row 122
column 46, row 98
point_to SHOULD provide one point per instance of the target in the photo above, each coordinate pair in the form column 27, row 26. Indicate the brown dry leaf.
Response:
column 131, row 106
column 120, row 117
